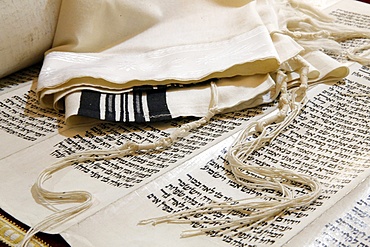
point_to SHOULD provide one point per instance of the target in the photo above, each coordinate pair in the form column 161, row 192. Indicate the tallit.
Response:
column 231, row 54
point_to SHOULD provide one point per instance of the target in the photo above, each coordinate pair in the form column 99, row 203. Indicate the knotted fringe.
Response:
column 352, row 54
column 272, row 178
column 315, row 30
column 308, row 27
column 84, row 198
column 258, row 209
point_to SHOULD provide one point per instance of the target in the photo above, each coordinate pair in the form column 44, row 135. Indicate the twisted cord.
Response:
column 84, row 199
column 257, row 209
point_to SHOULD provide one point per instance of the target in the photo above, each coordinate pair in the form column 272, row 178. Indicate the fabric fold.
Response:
column 140, row 61
column 197, row 42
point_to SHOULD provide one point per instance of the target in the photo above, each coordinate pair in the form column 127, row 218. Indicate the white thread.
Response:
column 306, row 32
column 48, row 198
column 351, row 54
column 315, row 30
column 310, row 10
column 84, row 198
column 256, row 177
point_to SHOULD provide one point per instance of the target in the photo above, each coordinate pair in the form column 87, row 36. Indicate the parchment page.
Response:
column 330, row 141
column 345, row 224
column 33, row 138
column 154, row 184
column 23, row 122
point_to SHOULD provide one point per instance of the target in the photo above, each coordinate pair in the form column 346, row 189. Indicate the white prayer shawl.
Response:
column 235, row 54
column 120, row 44
column 236, row 93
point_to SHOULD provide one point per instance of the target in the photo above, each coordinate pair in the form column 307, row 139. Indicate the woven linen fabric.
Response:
column 112, row 47
column 154, row 60
column 118, row 60
column 158, row 103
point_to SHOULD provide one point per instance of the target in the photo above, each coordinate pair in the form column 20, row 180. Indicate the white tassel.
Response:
column 84, row 198
column 309, row 10
column 362, row 59
column 257, row 209
column 315, row 30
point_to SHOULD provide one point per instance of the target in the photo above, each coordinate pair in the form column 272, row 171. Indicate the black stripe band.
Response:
column 157, row 104
column 89, row 104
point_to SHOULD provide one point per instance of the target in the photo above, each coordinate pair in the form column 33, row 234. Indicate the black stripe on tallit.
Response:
column 127, row 114
column 89, row 104
column 157, row 104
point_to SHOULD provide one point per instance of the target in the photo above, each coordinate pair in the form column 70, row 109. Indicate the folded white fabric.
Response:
column 105, row 49
column 116, row 45
column 158, row 103
column 153, row 60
